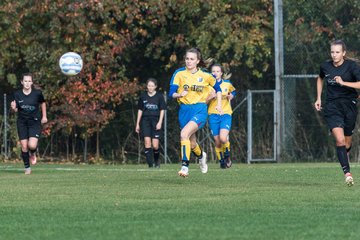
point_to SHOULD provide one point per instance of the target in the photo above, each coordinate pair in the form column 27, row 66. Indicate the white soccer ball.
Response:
column 70, row 63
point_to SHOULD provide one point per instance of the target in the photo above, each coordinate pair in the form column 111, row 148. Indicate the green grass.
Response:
column 259, row 201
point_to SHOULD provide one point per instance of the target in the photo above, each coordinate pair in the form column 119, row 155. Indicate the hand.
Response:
column 137, row 128
column 318, row 105
column 230, row 96
column 13, row 106
column 184, row 93
column 212, row 95
column 219, row 109
column 158, row 126
column 44, row 120
column 339, row 80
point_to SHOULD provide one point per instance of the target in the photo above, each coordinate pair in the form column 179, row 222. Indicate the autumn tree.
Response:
column 43, row 31
column 309, row 27
column 90, row 104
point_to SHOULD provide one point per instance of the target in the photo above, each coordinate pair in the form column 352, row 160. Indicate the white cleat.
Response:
column 349, row 179
column 184, row 171
column 27, row 171
column 202, row 163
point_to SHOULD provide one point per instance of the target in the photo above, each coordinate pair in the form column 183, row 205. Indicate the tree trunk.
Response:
column 139, row 149
column 85, row 147
column 67, row 147
column 97, row 142
column 73, row 145
column 51, row 145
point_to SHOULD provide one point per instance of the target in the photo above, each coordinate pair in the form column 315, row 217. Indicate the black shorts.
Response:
column 28, row 128
column 148, row 127
column 341, row 113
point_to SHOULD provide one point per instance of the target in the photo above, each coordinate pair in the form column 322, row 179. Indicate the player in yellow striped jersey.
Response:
column 188, row 85
column 220, row 125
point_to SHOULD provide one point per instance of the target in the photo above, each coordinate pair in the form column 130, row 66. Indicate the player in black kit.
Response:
column 26, row 103
column 151, row 108
column 340, row 110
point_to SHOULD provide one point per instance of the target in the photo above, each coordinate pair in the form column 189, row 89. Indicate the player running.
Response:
column 340, row 110
column 151, row 108
column 26, row 103
column 188, row 85
column 220, row 125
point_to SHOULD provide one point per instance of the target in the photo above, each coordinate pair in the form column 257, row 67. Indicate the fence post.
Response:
column 165, row 130
column 5, row 128
column 249, row 126
column 279, row 72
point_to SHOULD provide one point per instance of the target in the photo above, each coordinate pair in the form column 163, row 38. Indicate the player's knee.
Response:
column 24, row 148
column 223, row 139
column 218, row 144
column 155, row 146
column 32, row 146
column 340, row 142
column 147, row 142
column 184, row 135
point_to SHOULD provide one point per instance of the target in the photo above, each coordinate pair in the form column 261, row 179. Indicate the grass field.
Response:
column 259, row 201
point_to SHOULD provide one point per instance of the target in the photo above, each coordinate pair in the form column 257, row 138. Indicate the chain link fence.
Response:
column 306, row 136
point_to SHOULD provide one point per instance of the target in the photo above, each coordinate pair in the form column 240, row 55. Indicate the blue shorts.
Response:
column 218, row 122
column 193, row 112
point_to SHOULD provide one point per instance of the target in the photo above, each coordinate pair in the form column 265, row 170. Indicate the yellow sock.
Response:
column 219, row 153
column 197, row 150
column 226, row 149
column 185, row 150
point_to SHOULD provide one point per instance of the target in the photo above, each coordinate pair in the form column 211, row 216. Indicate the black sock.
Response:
column 32, row 151
column 348, row 152
column 227, row 155
column 149, row 155
column 25, row 157
column 156, row 156
column 343, row 159
column 185, row 163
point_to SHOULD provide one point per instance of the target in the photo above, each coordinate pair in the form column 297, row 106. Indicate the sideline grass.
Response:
column 261, row 201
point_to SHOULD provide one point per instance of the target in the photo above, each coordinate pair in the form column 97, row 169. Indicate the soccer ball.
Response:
column 70, row 63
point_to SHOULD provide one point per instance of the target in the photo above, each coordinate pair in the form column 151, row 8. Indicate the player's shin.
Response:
column 149, row 156
column 25, row 157
column 343, row 158
column 185, row 152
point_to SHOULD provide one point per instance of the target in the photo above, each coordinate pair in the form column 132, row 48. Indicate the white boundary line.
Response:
column 2, row 168
column 195, row 168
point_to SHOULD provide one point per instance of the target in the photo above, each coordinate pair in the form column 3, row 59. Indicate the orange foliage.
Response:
column 90, row 102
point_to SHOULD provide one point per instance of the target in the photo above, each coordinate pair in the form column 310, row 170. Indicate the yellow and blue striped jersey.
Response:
column 195, row 83
column 226, row 89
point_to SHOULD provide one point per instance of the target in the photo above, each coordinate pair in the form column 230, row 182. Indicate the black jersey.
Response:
column 28, row 105
column 151, row 105
column 349, row 71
